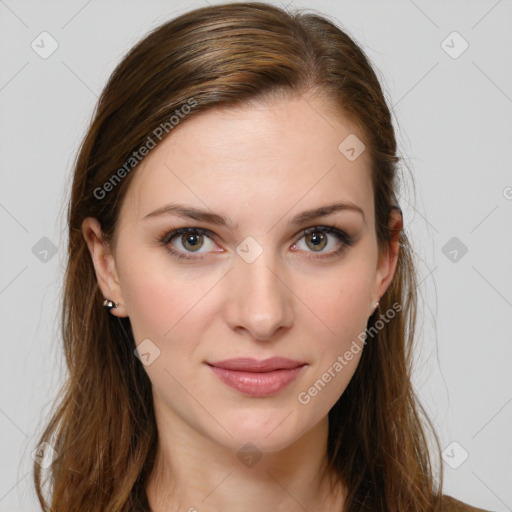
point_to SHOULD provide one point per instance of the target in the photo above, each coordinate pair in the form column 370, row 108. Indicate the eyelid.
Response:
column 173, row 232
column 329, row 229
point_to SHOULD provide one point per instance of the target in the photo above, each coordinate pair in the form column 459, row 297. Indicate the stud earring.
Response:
column 109, row 304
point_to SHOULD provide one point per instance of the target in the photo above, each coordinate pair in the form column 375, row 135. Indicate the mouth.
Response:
column 257, row 378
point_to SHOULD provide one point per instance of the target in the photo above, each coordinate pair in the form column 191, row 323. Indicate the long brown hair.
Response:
column 103, row 429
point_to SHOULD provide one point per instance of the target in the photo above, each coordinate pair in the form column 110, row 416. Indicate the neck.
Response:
column 193, row 473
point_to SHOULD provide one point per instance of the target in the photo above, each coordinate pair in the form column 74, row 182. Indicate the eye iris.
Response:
column 192, row 239
column 317, row 239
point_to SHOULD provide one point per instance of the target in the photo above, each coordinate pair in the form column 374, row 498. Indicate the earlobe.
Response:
column 104, row 265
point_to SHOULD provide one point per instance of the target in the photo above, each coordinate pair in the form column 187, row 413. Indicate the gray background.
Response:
column 453, row 124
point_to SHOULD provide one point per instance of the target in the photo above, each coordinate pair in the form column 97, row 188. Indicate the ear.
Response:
column 104, row 265
column 388, row 259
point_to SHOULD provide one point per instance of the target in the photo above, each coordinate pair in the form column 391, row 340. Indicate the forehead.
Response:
column 251, row 160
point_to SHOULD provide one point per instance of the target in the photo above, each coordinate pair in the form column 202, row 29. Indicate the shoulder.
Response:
column 453, row 505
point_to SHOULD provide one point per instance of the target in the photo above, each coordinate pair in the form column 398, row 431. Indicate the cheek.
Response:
column 341, row 301
column 341, row 308
column 150, row 304
column 166, row 309
column 165, row 303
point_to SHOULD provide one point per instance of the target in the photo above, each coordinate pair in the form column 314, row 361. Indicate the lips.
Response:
column 257, row 378
column 258, row 366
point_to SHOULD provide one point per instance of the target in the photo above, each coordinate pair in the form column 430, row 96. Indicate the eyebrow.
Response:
column 191, row 212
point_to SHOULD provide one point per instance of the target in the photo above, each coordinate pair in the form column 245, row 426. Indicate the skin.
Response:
column 258, row 166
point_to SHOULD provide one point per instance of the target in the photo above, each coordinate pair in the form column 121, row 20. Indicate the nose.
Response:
column 260, row 302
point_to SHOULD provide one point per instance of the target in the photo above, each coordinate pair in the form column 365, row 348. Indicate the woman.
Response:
column 240, row 295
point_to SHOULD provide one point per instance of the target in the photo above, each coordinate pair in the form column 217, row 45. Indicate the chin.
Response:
column 270, row 433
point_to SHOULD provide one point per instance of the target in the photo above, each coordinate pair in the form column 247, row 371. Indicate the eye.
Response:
column 318, row 238
column 191, row 240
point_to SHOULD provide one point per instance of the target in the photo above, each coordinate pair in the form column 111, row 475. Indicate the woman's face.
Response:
column 254, row 287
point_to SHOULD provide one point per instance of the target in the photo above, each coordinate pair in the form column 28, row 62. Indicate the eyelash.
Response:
column 345, row 239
